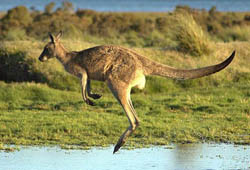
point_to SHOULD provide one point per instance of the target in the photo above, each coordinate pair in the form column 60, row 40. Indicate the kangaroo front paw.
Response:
column 95, row 96
column 89, row 102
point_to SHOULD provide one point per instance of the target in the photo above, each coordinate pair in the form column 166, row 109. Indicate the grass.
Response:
column 35, row 114
column 50, row 110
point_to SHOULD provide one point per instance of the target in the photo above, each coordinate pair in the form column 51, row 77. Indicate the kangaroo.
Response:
column 121, row 69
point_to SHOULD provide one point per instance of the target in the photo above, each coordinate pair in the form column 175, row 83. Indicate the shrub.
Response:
column 49, row 8
column 16, row 67
column 67, row 6
column 15, row 34
column 71, row 32
column 133, row 39
column 235, row 34
column 157, row 39
column 17, row 17
column 189, row 35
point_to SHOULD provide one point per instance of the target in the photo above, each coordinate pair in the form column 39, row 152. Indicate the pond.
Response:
column 173, row 157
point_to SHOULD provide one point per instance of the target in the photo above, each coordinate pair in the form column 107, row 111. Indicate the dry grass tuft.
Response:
column 190, row 36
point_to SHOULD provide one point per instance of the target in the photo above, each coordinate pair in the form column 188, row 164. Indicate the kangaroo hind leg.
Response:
column 139, row 82
column 122, row 94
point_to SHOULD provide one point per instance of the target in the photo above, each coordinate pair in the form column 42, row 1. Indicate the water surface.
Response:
column 175, row 157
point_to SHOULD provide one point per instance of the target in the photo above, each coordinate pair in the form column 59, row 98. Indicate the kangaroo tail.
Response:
column 154, row 68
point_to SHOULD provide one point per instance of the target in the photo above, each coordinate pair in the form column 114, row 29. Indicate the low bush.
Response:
column 235, row 34
column 17, row 67
column 189, row 35
column 16, row 34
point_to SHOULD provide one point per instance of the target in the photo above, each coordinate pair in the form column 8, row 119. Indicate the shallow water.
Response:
column 174, row 157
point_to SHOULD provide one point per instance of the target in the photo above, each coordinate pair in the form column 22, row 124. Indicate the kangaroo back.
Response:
column 154, row 68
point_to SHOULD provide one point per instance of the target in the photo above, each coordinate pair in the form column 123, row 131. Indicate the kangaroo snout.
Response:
column 42, row 58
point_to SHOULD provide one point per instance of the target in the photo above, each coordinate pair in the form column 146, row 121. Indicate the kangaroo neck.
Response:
column 61, row 53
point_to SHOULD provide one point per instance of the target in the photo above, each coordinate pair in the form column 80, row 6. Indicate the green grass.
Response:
column 35, row 114
column 50, row 110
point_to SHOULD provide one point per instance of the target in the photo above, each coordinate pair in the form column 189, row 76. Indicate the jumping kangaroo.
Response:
column 121, row 69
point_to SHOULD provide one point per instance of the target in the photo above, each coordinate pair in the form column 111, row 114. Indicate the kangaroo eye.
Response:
column 48, row 49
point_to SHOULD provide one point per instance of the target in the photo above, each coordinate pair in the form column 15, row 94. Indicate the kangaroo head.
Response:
column 49, row 50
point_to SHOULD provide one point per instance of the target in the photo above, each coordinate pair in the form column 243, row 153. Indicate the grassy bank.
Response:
column 34, row 114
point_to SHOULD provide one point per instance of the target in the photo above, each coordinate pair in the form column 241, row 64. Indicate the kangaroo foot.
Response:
column 95, row 96
column 118, row 146
column 90, row 102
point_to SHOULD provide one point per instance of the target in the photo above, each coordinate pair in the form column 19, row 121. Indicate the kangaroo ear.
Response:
column 51, row 38
column 59, row 36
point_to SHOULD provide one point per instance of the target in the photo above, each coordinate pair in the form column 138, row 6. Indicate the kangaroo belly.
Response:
column 138, row 81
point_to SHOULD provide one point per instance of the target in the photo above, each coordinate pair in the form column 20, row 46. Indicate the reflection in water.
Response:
column 188, row 156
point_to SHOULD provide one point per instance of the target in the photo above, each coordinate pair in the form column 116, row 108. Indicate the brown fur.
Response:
column 121, row 69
